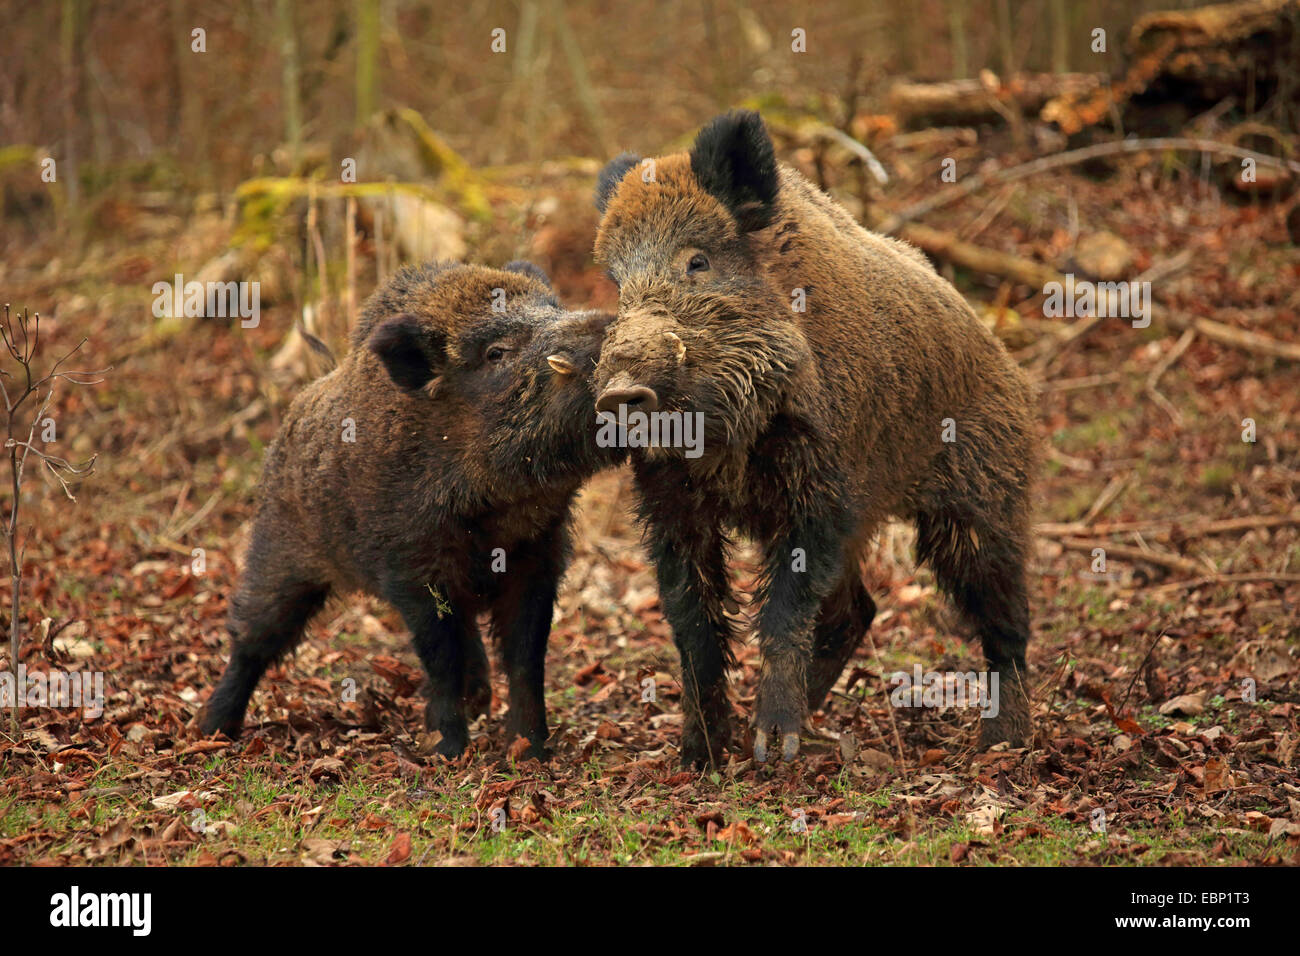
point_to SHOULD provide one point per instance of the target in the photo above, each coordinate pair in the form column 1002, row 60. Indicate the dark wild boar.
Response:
column 435, row 468
column 841, row 381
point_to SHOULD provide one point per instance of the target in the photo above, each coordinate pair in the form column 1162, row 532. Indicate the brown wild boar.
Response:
column 436, row 468
column 840, row 380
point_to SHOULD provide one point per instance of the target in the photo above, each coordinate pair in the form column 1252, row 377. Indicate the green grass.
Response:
column 273, row 813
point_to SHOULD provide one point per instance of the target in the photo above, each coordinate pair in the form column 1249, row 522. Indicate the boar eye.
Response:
column 496, row 353
column 699, row 263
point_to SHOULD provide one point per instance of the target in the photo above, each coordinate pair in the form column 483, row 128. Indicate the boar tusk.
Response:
column 678, row 345
column 560, row 364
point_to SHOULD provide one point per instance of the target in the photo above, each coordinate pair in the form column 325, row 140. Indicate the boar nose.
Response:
column 621, row 390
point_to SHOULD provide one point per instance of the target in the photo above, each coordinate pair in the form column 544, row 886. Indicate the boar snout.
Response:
column 642, row 354
column 621, row 390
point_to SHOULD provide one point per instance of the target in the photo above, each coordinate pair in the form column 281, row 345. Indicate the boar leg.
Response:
column 693, row 587
column 266, row 620
column 521, row 619
column 441, row 635
column 843, row 621
column 981, row 565
column 800, row 569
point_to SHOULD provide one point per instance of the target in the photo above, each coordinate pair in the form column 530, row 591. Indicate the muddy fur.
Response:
column 459, row 450
column 819, row 424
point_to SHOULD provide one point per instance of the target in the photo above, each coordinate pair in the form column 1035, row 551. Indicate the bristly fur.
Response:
column 820, row 422
column 524, row 267
column 610, row 177
column 412, row 472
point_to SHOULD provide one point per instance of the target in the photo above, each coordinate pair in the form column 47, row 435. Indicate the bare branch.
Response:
column 56, row 460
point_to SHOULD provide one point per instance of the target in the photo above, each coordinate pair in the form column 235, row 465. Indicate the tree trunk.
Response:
column 367, row 58
column 1059, row 24
column 957, row 37
column 70, row 62
column 287, row 36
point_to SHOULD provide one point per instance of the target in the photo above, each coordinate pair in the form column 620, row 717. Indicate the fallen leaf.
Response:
column 738, row 832
column 326, row 767
column 1188, row 705
column 321, row 852
column 401, row 849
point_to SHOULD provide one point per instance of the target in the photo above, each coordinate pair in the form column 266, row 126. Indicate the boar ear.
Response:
column 611, row 176
column 734, row 162
column 412, row 353
column 524, row 267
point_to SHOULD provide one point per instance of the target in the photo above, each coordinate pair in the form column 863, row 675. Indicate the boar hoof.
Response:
column 452, row 727
column 449, row 747
column 699, row 751
column 781, row 706
column 1012, row 725
column 789, row 746
column 213, row 723
column 219, row 717
column 538, row 752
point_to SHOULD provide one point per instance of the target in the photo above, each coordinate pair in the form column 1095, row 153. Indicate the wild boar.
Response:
column 435, row 468
column 841, row 380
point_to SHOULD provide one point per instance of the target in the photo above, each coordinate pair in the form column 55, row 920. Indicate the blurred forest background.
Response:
column 314, row 147
column 118, row 90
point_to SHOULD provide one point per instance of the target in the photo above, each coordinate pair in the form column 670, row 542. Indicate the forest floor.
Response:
column 1150, row 747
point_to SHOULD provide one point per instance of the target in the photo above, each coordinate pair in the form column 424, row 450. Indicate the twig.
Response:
column 893, row 724
column 1114, row 488
column 1069, row 461
column 1056, row 684
column 859, row 705
column 990, row 213
column 1137, row 673
column 1228, row 335
column 193, row 520
column 1171, row 562
column 856, row 148
column 1175, row 353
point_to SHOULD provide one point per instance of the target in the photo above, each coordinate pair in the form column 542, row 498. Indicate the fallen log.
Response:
column 980, row 258
column 984, row 99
